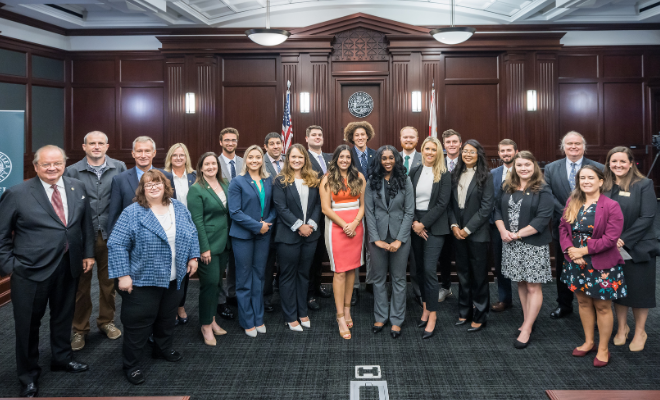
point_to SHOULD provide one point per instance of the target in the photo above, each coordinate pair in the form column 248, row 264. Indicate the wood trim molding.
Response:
column 35, row 23
column 479, row 42
column 242, row 45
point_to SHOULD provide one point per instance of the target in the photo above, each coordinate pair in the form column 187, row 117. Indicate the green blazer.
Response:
column 210, row 217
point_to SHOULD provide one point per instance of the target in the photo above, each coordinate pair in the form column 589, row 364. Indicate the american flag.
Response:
column 433, row 122
column 287, row 126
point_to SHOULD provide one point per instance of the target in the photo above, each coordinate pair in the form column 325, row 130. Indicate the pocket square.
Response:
column 82, row 198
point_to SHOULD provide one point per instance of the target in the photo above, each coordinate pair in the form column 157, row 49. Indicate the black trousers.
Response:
column 295, row 262
column 448, row 254
column 427, row 252
column 472, row 268
column 564, row 294
column 184, row 287
column 271, row 268
column 145, row 310
column 321, row 254
column 30, row 299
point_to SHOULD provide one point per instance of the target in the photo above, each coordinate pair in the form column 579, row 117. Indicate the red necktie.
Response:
column 56, row 199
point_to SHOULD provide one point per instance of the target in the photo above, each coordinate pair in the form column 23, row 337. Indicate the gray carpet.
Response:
column 319, row 364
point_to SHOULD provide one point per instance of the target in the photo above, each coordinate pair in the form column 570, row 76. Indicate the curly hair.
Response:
column 153, row 175
column 398, row 177
column 335, row 182
column 481, row 174
column 309, row 176
column 353, row 126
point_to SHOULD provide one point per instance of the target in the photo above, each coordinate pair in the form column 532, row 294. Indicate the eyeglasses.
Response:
column 56, row 165
column 151, row 186
column 178, row 156
column 469, row 152
column 230, row 140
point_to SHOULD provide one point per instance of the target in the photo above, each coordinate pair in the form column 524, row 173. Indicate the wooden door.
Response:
column 374, row 118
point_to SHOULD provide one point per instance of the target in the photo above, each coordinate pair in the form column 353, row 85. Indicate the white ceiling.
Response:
column 299, row 13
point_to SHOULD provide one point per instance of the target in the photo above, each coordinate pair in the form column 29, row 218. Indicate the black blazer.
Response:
column 289, row 210
column 536, row 210
column 39, row 236
column 639, row 209
column 371, row 154
column 478, row 207
column 436, row 219
column 557, row 177
column 315, row 163
column 123, row 190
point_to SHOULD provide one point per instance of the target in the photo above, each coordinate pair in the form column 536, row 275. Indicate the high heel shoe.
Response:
column 208, row 342
column 252, row 333
column 181, row 320
column 472, row 329
column 377, row 328
column 307, row 324
column 639, row 348
column 427, row 334
column 345, row 334
column 601, row 364
column 582, row 353
column 461, row 322
column 349, row 322
column 261, row 329
column 297, row 328
column 422, row 324
column 219, row 332
column 622, row 342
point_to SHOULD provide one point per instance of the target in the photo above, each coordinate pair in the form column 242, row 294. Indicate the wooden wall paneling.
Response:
column 142, row 70
column 401, row 107
column 622, row 65
column 142, row 114
column 250, row 70
column 578, row 66
column 475, row 67
column 206, row 101
column 579, row 111
column 546, row 114
column 92, row 109
column 515, row 100
column 94, row 70
column 652, row 67
column 175, row 95
column 623, row 113
column 290, row 73
column 430, row 81
column 321, row 95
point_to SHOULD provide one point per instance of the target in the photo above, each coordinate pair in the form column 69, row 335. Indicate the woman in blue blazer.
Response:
column 252, row 216
column 152, row 247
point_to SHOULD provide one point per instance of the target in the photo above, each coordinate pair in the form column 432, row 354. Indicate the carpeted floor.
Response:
column 319, row 364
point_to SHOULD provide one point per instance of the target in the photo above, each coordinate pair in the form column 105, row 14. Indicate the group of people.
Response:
column 148, row 230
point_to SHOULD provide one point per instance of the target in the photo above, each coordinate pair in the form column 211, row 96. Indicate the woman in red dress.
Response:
column 342, row 202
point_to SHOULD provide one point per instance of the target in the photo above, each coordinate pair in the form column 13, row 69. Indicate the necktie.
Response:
column 233, row 169
column 571, row 176
column 451, row 165
column 406, row 164
column 363, row 162
column 506, row 173
column 322, row 163
column 277, row 164
column 56, row 200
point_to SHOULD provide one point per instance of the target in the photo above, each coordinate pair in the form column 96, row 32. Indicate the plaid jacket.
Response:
column 138, row 246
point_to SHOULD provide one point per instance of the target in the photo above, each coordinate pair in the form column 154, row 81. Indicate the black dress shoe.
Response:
column 520, row 345
column 322, row 292
column 395, row 334
column 560, row 312
column 427, row 335
column 169, row 355
column 477, row 329
column 181, row 320
column 422, row 324
column 376, row 329
column 268, row 307
column 517, row 333
column 312, row 304
column 461, row 322
column 151, row 339
column 135, row 377
column 419, row 301
column 354, row 298
column 225, row 312
column 29, row 390
column 72, row 366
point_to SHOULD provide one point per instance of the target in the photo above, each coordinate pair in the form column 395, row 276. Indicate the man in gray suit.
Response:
column 411, row 158
column 560, row 175
column 231, row 165
column 274, row 162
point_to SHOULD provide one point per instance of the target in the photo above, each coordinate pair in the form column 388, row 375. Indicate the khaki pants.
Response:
column 106, row 292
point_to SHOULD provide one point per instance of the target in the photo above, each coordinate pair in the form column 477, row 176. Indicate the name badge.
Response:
column 624, row 194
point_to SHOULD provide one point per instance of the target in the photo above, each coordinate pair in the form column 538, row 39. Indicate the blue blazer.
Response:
column 497, row 187
column 245, row 207
column 138, row 246
column 371, row 154
column 122, row 193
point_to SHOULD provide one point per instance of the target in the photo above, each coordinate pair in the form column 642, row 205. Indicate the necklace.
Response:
column 171, row 218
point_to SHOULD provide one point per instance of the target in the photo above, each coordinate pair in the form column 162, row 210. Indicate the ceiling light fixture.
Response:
column 268, row 37
column 452, row 35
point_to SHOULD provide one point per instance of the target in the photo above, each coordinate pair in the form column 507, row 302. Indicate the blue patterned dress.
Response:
column 604, row 284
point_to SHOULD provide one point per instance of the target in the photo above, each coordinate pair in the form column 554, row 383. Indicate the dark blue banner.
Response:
column 12, row 148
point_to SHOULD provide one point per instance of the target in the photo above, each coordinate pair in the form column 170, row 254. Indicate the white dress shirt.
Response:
column 449, row 160
column 226, row 161
column 464, row 184
column 62, row 190
column 424, row 189
column 181, row 187
column 319, row 158
column 276, row 163
column 303, row 192
column 505, row 172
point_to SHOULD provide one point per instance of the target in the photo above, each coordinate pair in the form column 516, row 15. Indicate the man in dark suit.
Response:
column 125, row 184
column 411, row 159
column 560, row 175
column 274, row 161
column 506, row 150
column 46, row 241
column 359, row 134
column 320, row 161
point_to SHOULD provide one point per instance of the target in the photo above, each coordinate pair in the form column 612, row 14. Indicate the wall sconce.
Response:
column 190, row 103
column 304, row 102
column 531, row 100
column 416, row 101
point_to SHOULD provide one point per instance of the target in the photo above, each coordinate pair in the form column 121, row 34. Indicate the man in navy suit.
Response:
column 359, row 134
column 506, row 150
column 320, row 161
column 560, row 175
column 274, row 162
column 125, row 184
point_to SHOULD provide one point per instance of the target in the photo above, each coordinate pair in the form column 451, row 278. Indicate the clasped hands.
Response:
column 459, row 234
column 125, row 283
column 391, row 247
column 349, row 229
column 577, row 254
column 420, row 230
column 305, row 230
column 508, row 237
column 265, row 227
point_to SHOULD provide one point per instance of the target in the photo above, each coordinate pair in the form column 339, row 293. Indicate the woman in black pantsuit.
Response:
column 431, row 183
column 470, row 209
column 296, row 198
column 634, row 193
